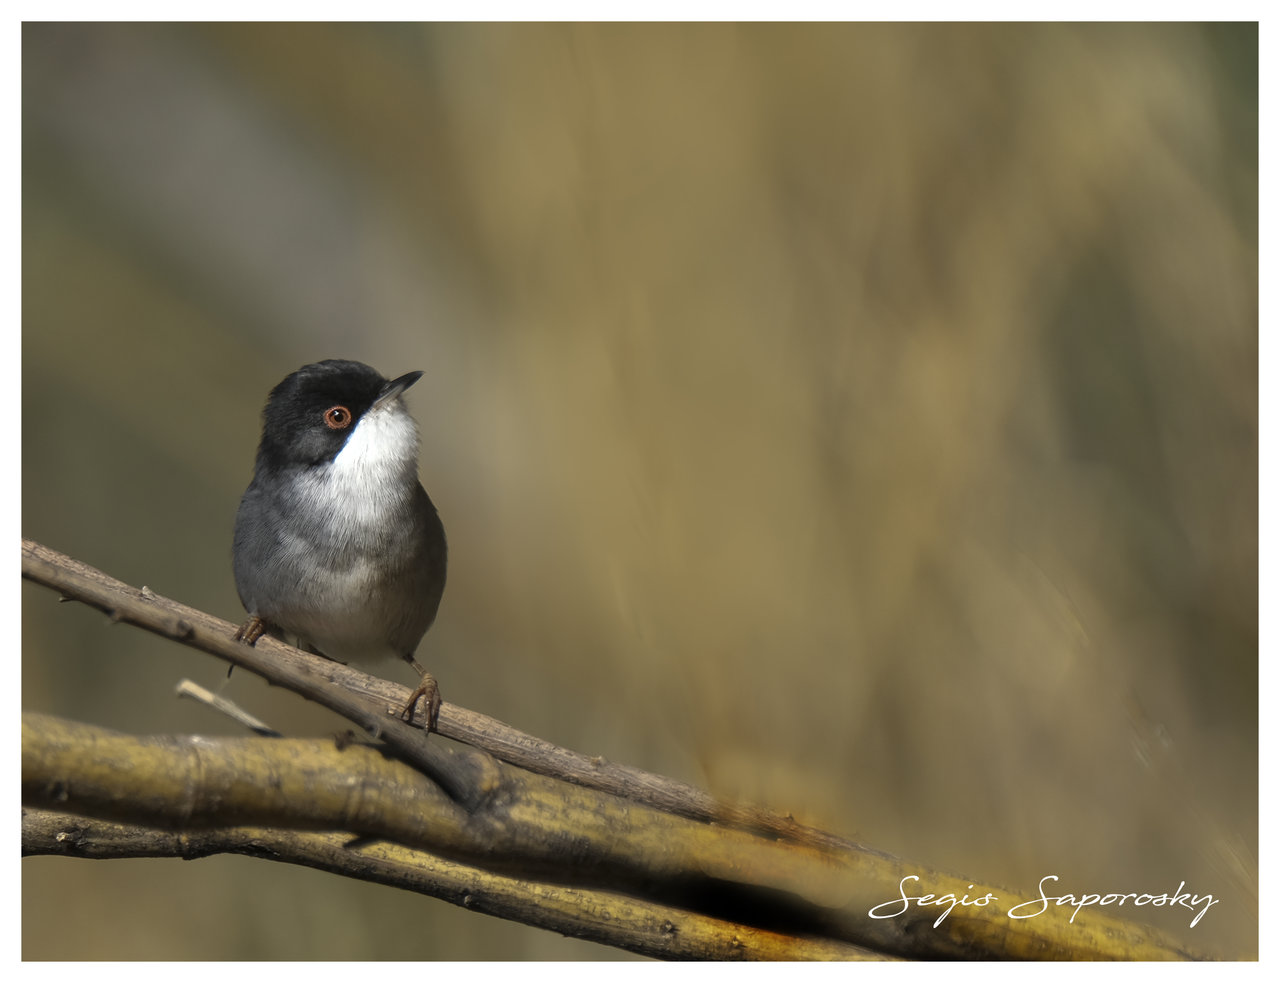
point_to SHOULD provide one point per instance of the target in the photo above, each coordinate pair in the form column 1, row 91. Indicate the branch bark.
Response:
column 754, row 875
column 315, row 677
column 648, row 929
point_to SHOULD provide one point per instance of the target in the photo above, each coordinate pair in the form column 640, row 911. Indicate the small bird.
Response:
column 337, row 545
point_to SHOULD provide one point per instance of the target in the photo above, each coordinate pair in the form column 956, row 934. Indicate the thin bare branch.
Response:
column 309, row 675
column 662, row 932
column 188, row 689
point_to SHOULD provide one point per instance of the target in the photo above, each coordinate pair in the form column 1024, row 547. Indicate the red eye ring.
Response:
column 337, row 418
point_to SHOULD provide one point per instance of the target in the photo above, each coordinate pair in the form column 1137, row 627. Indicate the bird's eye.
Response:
column 337, row 418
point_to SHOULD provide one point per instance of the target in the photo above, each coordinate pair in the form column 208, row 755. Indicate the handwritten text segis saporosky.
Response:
column 1038, row 906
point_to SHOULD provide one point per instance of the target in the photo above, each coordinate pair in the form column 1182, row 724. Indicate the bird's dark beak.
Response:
column 395, row 387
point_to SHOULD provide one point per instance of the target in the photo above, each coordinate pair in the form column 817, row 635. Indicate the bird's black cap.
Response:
column 311, row 413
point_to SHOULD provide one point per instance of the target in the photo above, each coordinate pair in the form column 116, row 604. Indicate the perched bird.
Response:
column 337, row 545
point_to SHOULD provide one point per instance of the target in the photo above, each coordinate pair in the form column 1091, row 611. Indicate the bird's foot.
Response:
column 429, row 691
column 251, row 630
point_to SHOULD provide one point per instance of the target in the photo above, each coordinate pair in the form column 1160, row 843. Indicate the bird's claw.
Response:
column 253, row 629
column 429, row 691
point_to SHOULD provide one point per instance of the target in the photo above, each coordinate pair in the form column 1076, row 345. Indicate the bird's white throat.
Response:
column 374, row 476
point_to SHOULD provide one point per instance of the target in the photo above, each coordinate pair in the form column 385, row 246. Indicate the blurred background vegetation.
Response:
column 856, row 420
